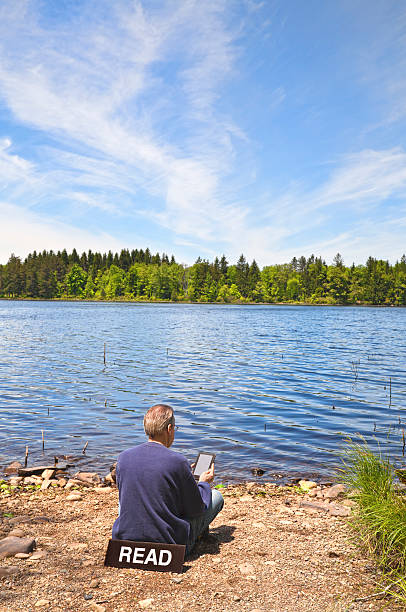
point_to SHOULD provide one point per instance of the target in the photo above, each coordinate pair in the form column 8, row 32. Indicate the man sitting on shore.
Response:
column 160, row 500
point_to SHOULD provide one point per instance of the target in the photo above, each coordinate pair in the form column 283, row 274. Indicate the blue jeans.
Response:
column 199, row 524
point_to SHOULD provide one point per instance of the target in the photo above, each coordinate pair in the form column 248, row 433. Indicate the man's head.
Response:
column 159, row 424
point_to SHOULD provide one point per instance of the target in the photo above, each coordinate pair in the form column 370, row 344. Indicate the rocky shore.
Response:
column 273, row 548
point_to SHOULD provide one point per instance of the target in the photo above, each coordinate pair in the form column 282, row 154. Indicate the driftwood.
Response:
column 38, row 469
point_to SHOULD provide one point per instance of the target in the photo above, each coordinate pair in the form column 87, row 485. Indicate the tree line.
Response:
column 141, row 276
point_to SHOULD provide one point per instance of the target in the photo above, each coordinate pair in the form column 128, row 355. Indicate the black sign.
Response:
column 145, row 555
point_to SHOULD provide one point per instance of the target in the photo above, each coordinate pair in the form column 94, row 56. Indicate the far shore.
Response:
column 123, row 300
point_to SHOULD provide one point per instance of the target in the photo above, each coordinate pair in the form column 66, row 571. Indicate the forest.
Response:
column 138, row 275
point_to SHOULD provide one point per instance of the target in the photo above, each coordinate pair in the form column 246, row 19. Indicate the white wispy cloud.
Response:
column 94, row 91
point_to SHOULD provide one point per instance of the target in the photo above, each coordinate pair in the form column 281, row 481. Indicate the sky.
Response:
column 200, row 128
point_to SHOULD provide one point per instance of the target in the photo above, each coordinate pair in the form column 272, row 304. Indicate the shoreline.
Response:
column 190, row 303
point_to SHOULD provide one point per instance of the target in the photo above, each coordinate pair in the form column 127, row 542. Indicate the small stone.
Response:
column 94, row 583
column 45, row 484
column 62, row 482
column 103, row 489
column 8, row 571
column 74, row 497
column 314, row 506
column 89, row 478
column 306, row 485
column 42, row 603
column 336, row 510
column 109, row 478
column 145, row 603
column 21, row 556
column 15, row 480
column 333, row 554
column 18, row 533
column 39, row 554
column 48, row 474
column 237, row 598
column 87, row 596
column 11, row 545
column 176, row 580
column 13, row 468
column 334, row 491
column 246, row 568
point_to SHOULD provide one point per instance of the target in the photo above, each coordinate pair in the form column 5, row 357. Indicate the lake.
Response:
column 276, row 387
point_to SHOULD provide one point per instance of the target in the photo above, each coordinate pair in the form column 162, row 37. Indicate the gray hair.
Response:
column 157, row 419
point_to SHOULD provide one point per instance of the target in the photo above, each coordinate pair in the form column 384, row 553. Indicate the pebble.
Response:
column 145, row 603
column 103, row 489
column 13, row 468
column 74, row 497
column 246, row 568
column 306, row 485
column 176, row 580
column 8, row 571
column 18, row 533
column 45, row 484
column 94, row 583
column 42, row 603
column 39, row 554
column 47, row 474
column 87, row 596
column 21, row 556
column 334, row 491
column 336, row 510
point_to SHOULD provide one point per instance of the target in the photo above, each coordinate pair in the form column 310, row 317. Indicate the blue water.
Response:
column 276, row 387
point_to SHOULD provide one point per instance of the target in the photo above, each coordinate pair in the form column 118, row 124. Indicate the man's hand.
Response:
column 208, row 475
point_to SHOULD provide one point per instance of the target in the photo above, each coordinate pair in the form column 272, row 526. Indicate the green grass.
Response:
column 381, row 516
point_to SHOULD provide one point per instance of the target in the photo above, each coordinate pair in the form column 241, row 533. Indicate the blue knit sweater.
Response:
column 158, row 494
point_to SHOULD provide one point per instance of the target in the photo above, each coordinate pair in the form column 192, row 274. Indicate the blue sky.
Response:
column 204, row 127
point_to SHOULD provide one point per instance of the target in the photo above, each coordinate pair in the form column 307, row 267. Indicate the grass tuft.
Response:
column 381, row 516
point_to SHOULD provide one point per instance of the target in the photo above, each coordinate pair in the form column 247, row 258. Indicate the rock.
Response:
column 45, row 484
column 62, row 482
column 18, row 533
column 103, row 489
column 87, row 596
column 246, row 498
column 246, row 568
column 15, row 481
column 109, row 478
column 48, row 474
column 250, row 485
column 257, row 471
column 39, row 554
column 89, row 478
column 332, row 554
column 334, row 491
column 94, row 583
column 8, row 571
column 13, row 468
column 306, row 485
column 32, row 480
column 11, row 545
column 74, row 497
column 336, row 510
column 73, row 482
column 145, row 603
column 42, row 603
column 22, row 556
column 24, row 518
column 176, row 580
column 314, row 506
column 96, row 607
